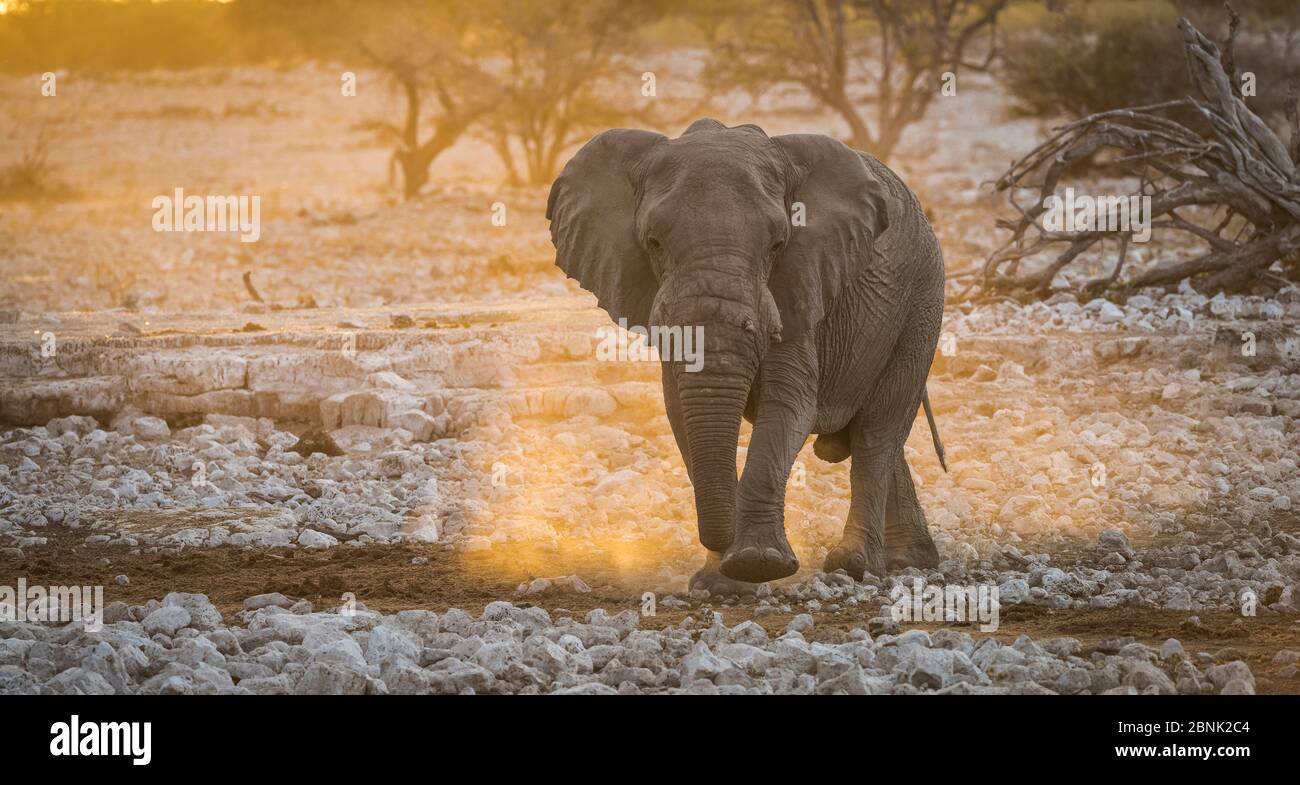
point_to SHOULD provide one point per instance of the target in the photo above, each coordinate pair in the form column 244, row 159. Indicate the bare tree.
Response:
column 844, row 54
column 429, row 66
column 564, row 69
column 1237, row 172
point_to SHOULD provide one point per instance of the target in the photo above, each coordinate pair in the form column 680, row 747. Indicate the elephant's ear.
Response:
column 844, row 210
column 593, row 226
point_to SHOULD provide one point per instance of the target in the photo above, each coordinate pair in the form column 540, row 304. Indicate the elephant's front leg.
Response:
column 787, row 410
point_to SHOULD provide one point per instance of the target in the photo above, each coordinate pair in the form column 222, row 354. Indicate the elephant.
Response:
column 818, row 283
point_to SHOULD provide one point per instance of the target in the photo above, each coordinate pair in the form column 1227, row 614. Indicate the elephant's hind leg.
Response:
column 907, row 538
column 878, row 432
column 861, row 549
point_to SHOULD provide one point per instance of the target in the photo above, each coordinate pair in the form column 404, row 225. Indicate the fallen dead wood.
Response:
column 1226, row 180
column 248, row 285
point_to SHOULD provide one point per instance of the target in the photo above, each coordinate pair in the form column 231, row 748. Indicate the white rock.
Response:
column 1171, row 648
column 800, row 623
column 143, row 427
column 310, row 538
column 1109, row 313
column 386, row 641
column 203, row 614
column 267, row 600
column 166, row 620
column 424, row 529
column 702, row 663
column 331, row 678
column 1013, row 591
column 1116, row 541
column 421, row 425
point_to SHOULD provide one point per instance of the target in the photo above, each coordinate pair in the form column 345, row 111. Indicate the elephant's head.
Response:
column 698, row 232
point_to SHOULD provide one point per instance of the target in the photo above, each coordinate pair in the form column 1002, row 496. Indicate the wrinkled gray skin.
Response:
column 827, row 328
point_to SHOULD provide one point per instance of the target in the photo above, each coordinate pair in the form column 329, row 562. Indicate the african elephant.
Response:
column 818, row 283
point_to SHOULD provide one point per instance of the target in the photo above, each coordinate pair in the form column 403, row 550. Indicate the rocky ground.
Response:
column 1129, row 459
column 184, row 645
column 406, row 470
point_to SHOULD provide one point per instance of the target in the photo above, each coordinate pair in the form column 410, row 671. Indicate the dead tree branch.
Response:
column 1238, row 169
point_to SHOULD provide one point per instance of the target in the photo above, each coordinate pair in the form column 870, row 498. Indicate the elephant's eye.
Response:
column 777, row 247
column 653, row 244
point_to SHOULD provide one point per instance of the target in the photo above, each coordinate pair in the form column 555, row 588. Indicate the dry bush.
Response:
column 1097, row 56
column 32, row 176
column 1092, row 58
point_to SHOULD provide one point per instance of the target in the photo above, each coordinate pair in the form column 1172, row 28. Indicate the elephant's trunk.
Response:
column 712, row 403
column 712, row 406
column 723, row 299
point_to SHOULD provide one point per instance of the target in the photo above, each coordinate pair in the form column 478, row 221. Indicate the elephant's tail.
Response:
column 934, row 429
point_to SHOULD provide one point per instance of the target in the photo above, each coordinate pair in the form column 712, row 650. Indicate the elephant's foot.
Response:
column 710, row 579
column 759, row 553
column 922, row 555
column 854, row 557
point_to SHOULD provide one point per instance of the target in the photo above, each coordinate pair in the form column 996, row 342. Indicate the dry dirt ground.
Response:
column 447, row 369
